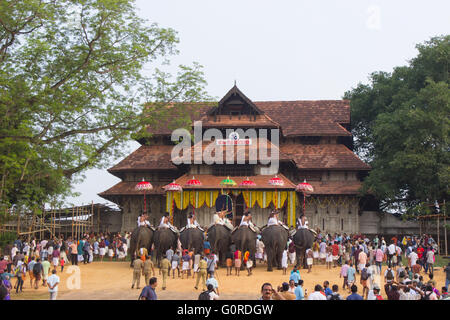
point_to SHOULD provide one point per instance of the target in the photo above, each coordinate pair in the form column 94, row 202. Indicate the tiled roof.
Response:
column 323, row 156
column 308, row 118
column 247, row 152
column 243, row 121
column 213, row 182
column 156, row 157
column 336, row 187
column 128, row 188
column 296, row 118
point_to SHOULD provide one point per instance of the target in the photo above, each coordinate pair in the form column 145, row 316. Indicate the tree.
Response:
column 72, row 90
column 400, row 122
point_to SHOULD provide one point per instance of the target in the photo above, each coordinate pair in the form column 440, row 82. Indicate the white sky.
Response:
column 287, row 50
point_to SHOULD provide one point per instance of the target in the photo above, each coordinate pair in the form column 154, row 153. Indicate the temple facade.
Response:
column 256, row 152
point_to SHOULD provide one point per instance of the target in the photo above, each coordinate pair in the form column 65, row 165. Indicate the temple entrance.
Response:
column 239, row 211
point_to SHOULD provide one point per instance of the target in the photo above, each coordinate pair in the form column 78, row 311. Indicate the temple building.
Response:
column 257, row 152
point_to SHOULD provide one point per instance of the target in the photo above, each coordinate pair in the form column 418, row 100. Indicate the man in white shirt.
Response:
column 142, row 220
column 413, row 258
column 212, row 281
column 212, row 294
column 52, row 283
column 14, row 251
column 317, row 294
column 390, row 253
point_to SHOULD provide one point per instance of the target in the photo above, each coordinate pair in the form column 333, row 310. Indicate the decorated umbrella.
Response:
column 144, row 185
column 305, row 188
column 247, row 184
column 193, row 182
column 228, row 182
column 275, row 181
column 173, row 187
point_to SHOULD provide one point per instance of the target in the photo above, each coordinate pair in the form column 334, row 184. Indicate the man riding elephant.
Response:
column 244, row 237
column 141, row 237
column 303, row 240
column 192, row 236
column 275, row 238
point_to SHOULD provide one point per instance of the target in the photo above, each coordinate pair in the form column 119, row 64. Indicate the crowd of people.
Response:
column 357, row 259
column 357, row 256
column 39, row 260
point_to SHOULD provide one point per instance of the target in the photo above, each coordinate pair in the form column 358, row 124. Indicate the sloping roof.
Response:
column 323, row 156
column 242, row 121
column 309, row 118
column 245, row 152
column 156, row 157
column 296, row 118
column 129, row 188
column 335, row 187
column 213, row 182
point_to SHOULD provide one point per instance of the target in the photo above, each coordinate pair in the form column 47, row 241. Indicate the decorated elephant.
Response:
column 245, row 240
column 141, row 237
column 303, row 240
column 275, row 239
column 219, row 237
column 192, row 238
column 164, row 239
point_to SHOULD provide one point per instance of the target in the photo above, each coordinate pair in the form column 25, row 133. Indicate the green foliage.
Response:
column 401, row 124
column 7, row 238
column 72, row 90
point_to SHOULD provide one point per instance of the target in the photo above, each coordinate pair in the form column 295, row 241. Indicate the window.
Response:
column 323, row 224
column 233, row 170
column 342, row 224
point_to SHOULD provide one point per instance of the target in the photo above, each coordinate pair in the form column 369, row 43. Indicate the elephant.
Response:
column 245, row 240
column 275, row 239
column 164, row 239
column 192, row 238
column 141, row 237
column 303, row 240
column 219, row 237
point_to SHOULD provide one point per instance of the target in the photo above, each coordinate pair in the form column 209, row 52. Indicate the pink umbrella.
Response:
column 173, row 187
column 144, row 185
column 275, row 181
column 305, row 188
column 193, row 182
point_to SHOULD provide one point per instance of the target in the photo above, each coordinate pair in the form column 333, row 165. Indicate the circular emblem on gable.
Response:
column 234, row 136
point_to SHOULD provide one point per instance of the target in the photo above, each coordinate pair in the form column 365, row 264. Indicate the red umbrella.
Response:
column 305, row 188
column 193, row 182
column 144, row 185
column 173, row 187
column 275, row 181
column 247, row 183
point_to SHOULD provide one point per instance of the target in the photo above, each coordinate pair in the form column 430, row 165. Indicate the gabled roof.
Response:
column 323, row 156
column 234, row 92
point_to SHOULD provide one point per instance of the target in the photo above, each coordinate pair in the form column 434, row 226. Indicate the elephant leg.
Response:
column 269, row 260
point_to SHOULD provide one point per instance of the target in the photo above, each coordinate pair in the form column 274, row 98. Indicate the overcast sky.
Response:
column 287, row 50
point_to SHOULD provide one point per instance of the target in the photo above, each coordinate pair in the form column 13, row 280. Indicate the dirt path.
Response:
column 112, row 281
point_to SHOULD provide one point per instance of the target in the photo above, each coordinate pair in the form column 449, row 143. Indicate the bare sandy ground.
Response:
column 112, row 281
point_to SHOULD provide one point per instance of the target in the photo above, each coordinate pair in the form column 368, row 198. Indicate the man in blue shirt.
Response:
column 299, row 294
column 295, row 275
column 354, row 295
column 148, row 293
